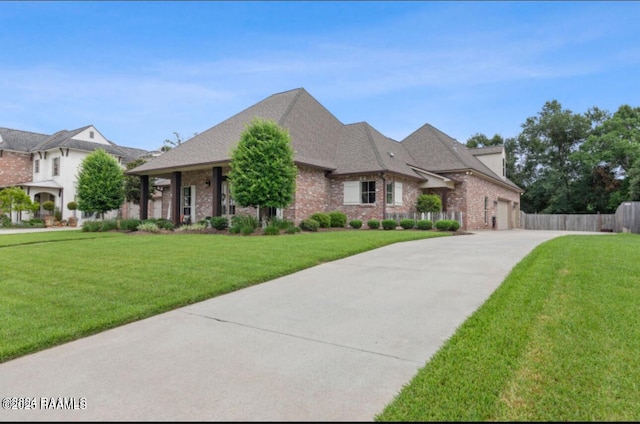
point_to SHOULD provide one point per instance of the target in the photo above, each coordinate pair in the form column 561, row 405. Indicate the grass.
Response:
column 57, row 287
column 558, row 341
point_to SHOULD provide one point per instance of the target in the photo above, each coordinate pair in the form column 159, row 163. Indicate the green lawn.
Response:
column 60, row 286
column 559, row 340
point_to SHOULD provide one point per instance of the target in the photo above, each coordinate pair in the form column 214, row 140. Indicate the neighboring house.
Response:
column 351, row 168
column 46, row 166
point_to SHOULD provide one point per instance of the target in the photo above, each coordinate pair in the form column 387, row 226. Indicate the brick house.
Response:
column 46, row 166
column 351, row 168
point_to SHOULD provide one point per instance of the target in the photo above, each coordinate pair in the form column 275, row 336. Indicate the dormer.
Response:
column 494, row 157
column 91, row 135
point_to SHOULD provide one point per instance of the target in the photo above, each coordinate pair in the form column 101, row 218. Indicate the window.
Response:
column 90, row 134
column 37, row 166
column 56, row 167
column 188, row 204
column 394, row 194
column 359, row 192
column 228, row 204
column 368, row 192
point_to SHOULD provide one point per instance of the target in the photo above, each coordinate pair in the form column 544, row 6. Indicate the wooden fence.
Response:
column 432, row 216
column 628, row 218
column 568, row 222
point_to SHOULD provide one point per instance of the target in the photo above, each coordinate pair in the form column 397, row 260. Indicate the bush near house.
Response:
column 424, row 224
column 355, row 224
column 373, row 224
column 219, row 222
column 130, row 224
column 408, row 224
column 309, row 225
column 322, row 218
column 389, row 224
column 338, row 219
column 447, row 225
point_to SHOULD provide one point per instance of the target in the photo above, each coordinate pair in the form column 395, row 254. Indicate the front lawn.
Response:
column 56, row 287
column 559, row 340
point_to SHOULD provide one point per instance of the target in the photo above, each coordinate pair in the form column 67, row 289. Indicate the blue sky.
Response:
column 140, row 71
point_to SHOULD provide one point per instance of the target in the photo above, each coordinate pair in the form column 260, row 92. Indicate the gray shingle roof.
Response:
column 319, row 139
column 20, row 141
column 25, row 141
column 439, row 153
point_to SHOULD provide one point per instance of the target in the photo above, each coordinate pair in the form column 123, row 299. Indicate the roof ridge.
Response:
column 367, row 129
column 291, row 105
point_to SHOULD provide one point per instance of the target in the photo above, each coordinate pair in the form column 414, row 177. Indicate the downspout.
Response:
column 384, row 195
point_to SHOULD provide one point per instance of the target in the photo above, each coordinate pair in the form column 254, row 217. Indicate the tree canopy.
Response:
column 570, row 162
column 263, row 171
column 14, row 199
column 100, row 183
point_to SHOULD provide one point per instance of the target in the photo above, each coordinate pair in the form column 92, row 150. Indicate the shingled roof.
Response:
column 19, row 141
column 320, row 140
column 65, row 139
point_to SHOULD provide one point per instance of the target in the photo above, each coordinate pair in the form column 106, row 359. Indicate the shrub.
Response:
column 338, row 219
column 247, row 229
column 49, row 205
column 309, row 225
column 148, row 226
column 407, row 224
column 234, row 230
column 192, row 227
column 281, row 224
column 424, row 224
column 292, row 230
column 99, row 226
column 245, row 220
column 204, row 222
column 389, row 224
column 72, row 206
column 323, row 219
column 355, row 224
column 447, row 225
column 5, row 221
column 272, row 230
column 373, row 224
column 129, row 224
column 57, row 214
column 161, row 223
column 428, row 203
column 220, row 222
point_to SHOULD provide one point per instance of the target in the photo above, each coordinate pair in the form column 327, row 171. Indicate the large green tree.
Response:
column 545, row 163
column 14, row 199
column 263, row 171
column 100, row 183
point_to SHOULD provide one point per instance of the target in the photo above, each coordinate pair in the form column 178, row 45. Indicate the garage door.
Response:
column 503, row 215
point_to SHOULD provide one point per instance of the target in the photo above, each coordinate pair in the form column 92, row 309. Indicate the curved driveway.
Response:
column 335, row 342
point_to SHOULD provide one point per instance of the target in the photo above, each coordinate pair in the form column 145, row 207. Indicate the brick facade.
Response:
column 469, row 198
column 316, row 192
column 15, row 168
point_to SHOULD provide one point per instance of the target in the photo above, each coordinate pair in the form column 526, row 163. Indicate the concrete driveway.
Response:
column 335, row 342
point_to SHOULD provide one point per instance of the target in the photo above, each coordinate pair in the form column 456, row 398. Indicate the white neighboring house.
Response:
column 55, row 161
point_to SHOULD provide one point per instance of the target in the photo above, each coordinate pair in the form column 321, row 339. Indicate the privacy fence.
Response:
column 568, row 222
column 625, row 220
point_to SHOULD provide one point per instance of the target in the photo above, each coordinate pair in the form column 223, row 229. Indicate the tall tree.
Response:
column 100, row 183
column 263, row 171
column 544, row 151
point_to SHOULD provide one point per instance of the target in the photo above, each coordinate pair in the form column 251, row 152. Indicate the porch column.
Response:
column 176, row 189
column 144, row 197
column 216, row 185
